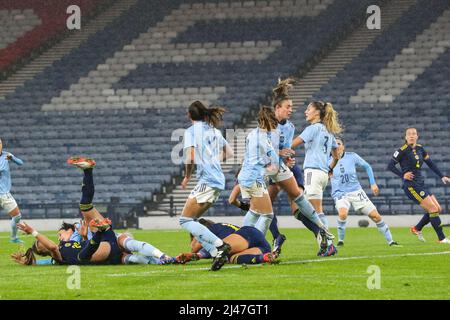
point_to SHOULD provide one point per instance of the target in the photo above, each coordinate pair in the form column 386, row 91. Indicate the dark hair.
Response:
column 67, row 226
column 281, row 91
column 267, row 119
column 206, row 222
column 199, row 112
column 34, row 249
column 404, row 135
column 341, row 138
column 328, row 116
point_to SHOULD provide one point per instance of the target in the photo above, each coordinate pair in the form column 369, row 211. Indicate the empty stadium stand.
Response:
column 120, row 93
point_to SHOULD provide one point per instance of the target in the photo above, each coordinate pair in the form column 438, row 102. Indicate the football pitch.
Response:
column 365, row 268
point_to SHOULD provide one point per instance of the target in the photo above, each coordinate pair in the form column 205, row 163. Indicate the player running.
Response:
column 203, row 146
column 320, row 142
column 347, row 192
column 7, row 201
column 411, row 157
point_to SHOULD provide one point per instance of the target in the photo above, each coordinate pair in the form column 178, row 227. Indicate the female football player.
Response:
column 248, row 244
column 260, row 158
column 411, row 157
column 7, row 201
column 319, row 142
column 282, row 141
column 78, row 246
column 203, row 147
column 347, row 192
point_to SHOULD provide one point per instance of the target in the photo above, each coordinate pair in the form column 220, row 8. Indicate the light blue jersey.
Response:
column 282, row 137
column 318, row 145
column 259, row 153
column 208, row 143
column 345, row 177
column 5, row 174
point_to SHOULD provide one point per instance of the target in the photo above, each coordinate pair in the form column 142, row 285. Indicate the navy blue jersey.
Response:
column 223, row 230
column 69, row 251
column 411, row 160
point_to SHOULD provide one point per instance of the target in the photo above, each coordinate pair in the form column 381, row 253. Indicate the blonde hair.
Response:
column 329, row 117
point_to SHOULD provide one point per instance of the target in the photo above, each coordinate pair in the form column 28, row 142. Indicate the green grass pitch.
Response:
column 415, row 271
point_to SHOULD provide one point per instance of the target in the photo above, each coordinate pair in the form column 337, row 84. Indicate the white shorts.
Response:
column 203, row 193
column 315, row 183
column 257, row 190
column 7, row 202
column 358, row 200
column 283, row 174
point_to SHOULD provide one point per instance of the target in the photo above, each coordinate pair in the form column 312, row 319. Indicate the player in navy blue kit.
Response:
column 103, row 246
column 248, row 244
column 411, row 157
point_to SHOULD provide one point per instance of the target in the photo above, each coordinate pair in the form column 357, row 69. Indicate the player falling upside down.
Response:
column 249, row 246
column 347, row 192
column 203, row 146
column 411, row 157
column 7, row 202
column 103, row 247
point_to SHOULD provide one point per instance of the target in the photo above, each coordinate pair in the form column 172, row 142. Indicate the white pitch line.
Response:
column 281, row 263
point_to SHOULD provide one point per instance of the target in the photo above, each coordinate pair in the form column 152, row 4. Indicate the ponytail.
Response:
column 267, row 119
column 281, row 91
column 214, row 116
column 328, row 116
column 330, row 120
column 199, row 112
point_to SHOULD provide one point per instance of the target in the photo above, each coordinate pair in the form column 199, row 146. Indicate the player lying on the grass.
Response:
column 411, row 157
column 324, row 242
column 7, row 201
column 104, row 247
column 248, row 245
column 101, row 249
column 77, row 235
column 347, row 192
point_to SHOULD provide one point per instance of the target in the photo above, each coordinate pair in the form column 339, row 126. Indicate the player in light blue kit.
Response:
column 260, row 159
column 7, row 202
column 203, row 147
column 319, row 142
column 289, row 173
column 347, row 192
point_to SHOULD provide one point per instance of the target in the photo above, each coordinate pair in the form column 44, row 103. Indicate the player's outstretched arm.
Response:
column 43, row 240
column 11, row 157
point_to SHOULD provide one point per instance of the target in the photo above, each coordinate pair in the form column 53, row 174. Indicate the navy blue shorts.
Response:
column 298, row 175
column 115, row 256
column 255, row 238
column 416, row 192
